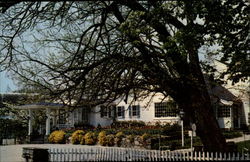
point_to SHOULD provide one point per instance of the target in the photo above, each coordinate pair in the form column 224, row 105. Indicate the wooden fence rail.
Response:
column 93, row 153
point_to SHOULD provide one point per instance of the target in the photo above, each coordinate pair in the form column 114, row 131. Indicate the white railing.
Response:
column 95, row 153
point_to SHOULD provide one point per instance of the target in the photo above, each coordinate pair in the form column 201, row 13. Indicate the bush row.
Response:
column 92, row 138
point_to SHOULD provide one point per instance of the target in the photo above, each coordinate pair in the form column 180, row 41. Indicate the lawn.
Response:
column 242, row 145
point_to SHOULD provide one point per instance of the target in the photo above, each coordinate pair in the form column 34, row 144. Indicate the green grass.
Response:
column 231, row 134
column 244, row 144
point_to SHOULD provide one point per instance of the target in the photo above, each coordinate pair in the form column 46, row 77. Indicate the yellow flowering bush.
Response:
column 90, row 138
column 82, row 141
column 110, row 140
column 120, row 135
column 118, row 138
column 102, row 138
column 145, row 137
column 131, row 138
column 77, row 137
column 57, row 137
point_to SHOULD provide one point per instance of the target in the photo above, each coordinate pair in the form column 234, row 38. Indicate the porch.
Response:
column 44, row 117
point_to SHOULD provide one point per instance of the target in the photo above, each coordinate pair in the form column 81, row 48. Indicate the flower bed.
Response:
column 127, row 134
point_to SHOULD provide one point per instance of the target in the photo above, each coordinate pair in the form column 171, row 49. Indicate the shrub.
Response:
column 158, row 124
column 68, row 137
column 118, row 138
column 110, row 131
column 102, row 138
column 77, row 136
column 136, row 123
column 12, row 128
column 174, row 131
column 126, row 124
column 231, row 134
column 131, row 138
column 145, row 137
column 90, row 138
column 82, row 141
column 243, row 146
column 119, row 135
column 110, row 140
column 57, row 137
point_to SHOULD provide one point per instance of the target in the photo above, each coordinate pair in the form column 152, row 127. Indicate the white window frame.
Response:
column 120, row 112
column 168, row 111
column 134, row 111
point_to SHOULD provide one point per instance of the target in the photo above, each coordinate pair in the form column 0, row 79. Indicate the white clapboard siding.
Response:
column 96, row 153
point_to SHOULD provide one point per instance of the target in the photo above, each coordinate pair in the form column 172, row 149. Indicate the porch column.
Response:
column 30, row 122
column 47, row 121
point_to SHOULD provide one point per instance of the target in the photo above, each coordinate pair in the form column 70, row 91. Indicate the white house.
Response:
column 231, row 108
column 233, row 100
column 148, row 109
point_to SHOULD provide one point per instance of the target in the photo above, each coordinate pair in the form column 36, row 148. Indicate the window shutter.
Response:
column 114, row 112
column 123, row 111
column 102, row 111
column 109, row 109
column 130, row 112
column 138, row 111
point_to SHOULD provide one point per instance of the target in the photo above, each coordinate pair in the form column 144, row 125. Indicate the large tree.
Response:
column 99, row 51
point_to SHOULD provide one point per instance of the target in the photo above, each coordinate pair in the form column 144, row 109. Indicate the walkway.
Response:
column 13, row 153
column 240, row 139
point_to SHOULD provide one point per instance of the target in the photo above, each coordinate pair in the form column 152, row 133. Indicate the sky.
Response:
column 6, row 84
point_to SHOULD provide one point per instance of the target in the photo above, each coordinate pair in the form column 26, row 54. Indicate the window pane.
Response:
column 134, row 110
column 224, row 111
column 120, row 111
column 104, row 112
column 165, row 109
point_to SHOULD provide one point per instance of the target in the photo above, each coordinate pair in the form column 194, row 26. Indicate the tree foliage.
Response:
column 99, row 51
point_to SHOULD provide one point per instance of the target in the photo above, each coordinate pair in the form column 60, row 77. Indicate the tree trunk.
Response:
column 197, row 107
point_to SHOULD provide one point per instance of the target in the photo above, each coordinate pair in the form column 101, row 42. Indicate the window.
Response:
column 165, row 109
column 104, row 112
column 85, row 112
column 134, row 111
column 223, row 111
column 120, row 111
column 62, row 116
column 107, row 111
column 75, row 112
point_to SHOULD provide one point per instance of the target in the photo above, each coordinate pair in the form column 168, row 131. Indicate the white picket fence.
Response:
column 94, row 153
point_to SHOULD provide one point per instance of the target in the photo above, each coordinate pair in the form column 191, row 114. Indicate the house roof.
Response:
column 220, row 94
